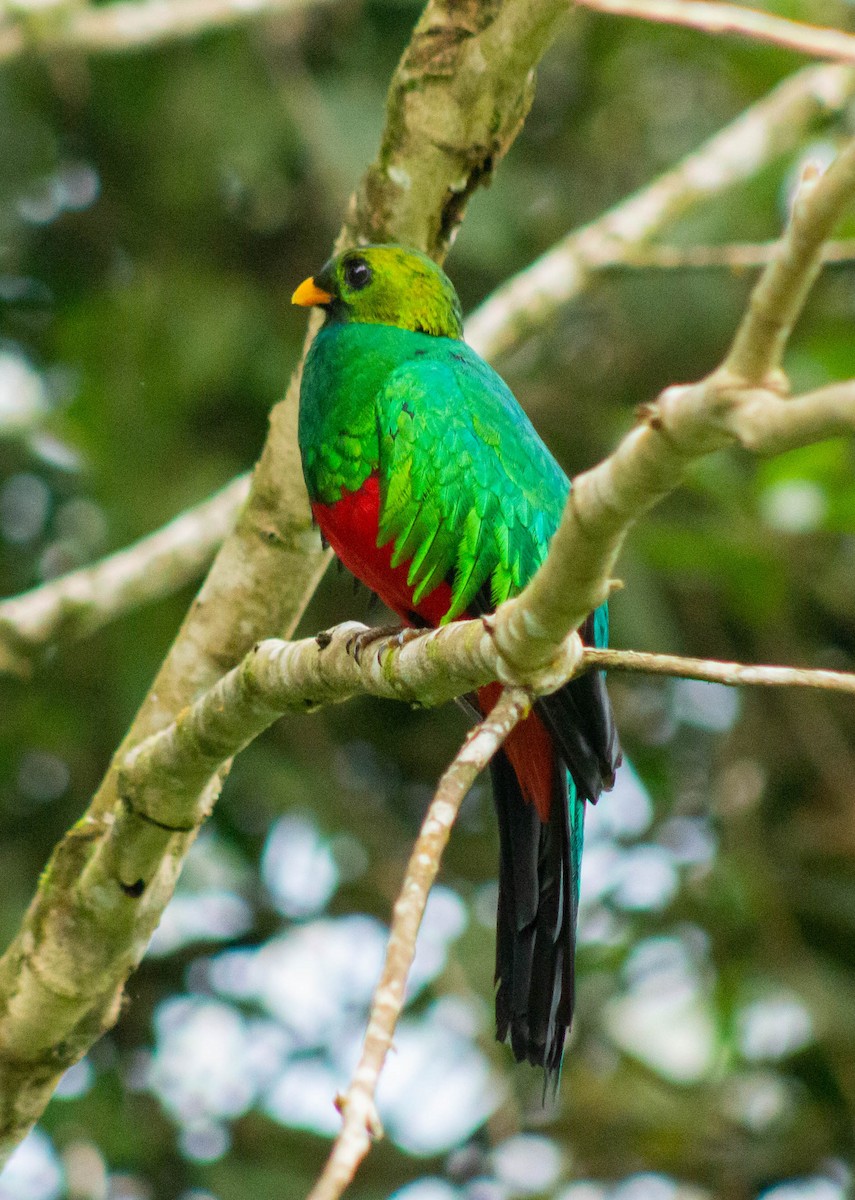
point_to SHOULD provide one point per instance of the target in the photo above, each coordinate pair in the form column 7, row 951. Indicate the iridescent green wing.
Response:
column 468, row 491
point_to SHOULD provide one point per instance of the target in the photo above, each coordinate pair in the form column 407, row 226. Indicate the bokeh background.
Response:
column 156, row 210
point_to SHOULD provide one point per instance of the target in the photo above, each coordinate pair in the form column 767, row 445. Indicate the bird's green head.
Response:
column 385, row 285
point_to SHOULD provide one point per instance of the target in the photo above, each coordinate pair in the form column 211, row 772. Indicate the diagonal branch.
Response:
column 772, row 127
column 130, row 24
column 780, row 295
column 740, row 403
column 361, row 1122
column 79, row 603
column 712, row 17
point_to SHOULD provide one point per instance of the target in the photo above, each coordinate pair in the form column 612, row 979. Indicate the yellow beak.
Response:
column 308, row 293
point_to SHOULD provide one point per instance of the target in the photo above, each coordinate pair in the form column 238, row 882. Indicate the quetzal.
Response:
column 432, row 486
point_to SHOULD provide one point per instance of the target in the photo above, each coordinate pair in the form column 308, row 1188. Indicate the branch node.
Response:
column 371, row 1118
column 647, row 413
column 541, row 679
column 131, row 807
column 777, row 381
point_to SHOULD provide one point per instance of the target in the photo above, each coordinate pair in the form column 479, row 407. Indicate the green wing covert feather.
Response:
column 468, row 491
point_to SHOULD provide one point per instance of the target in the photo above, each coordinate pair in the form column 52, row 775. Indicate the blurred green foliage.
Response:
column 156, row 211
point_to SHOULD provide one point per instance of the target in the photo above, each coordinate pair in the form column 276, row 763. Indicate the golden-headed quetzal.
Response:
column 432, row 486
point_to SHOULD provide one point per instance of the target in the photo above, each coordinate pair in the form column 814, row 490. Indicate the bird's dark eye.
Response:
column 357, row 274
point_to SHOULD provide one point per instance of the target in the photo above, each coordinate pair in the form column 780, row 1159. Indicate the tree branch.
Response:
column 79, row 603
column 728, row 673
column 361, row 1121
column 711, row 17
column 732, row 256
column 162, row 780
column 685, row 423
column 161, row 777
column 130, row 24
column 780, row 295
column 166, row 795
column 770, row 128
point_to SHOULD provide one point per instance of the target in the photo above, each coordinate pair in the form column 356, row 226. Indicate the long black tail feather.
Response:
column 535, row 929
column 539, row 872
column 579, row 716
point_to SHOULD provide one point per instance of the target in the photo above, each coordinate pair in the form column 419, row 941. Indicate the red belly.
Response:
column 350, row 526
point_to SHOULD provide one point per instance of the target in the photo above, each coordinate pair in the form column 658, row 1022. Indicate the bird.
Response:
column 430, row 483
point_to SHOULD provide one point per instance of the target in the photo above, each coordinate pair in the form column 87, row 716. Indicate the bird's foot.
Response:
column 365, row 638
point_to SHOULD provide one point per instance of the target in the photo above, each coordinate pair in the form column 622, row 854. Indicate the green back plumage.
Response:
column 468, row 490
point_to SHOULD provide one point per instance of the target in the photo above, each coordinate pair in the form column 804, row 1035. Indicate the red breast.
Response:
column 350, row 526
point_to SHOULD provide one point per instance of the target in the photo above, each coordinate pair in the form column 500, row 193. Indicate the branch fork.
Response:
column 526, row 656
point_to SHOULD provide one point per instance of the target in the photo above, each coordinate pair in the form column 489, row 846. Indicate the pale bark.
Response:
column 740, row 403
column 731, row 256
column 161, row 777
column 765, row 131
column 128, row 24
column 83, row 601
column 730, row 674
column 709, row 16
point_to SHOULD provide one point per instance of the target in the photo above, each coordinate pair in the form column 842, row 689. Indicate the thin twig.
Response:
column 710, row 17
column 730, row 674
column 781, row 293
column 739, row 403
column 131, row 24
column 773, row 126
column 361, row 1122
column 156, row 566
column 733, row 256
